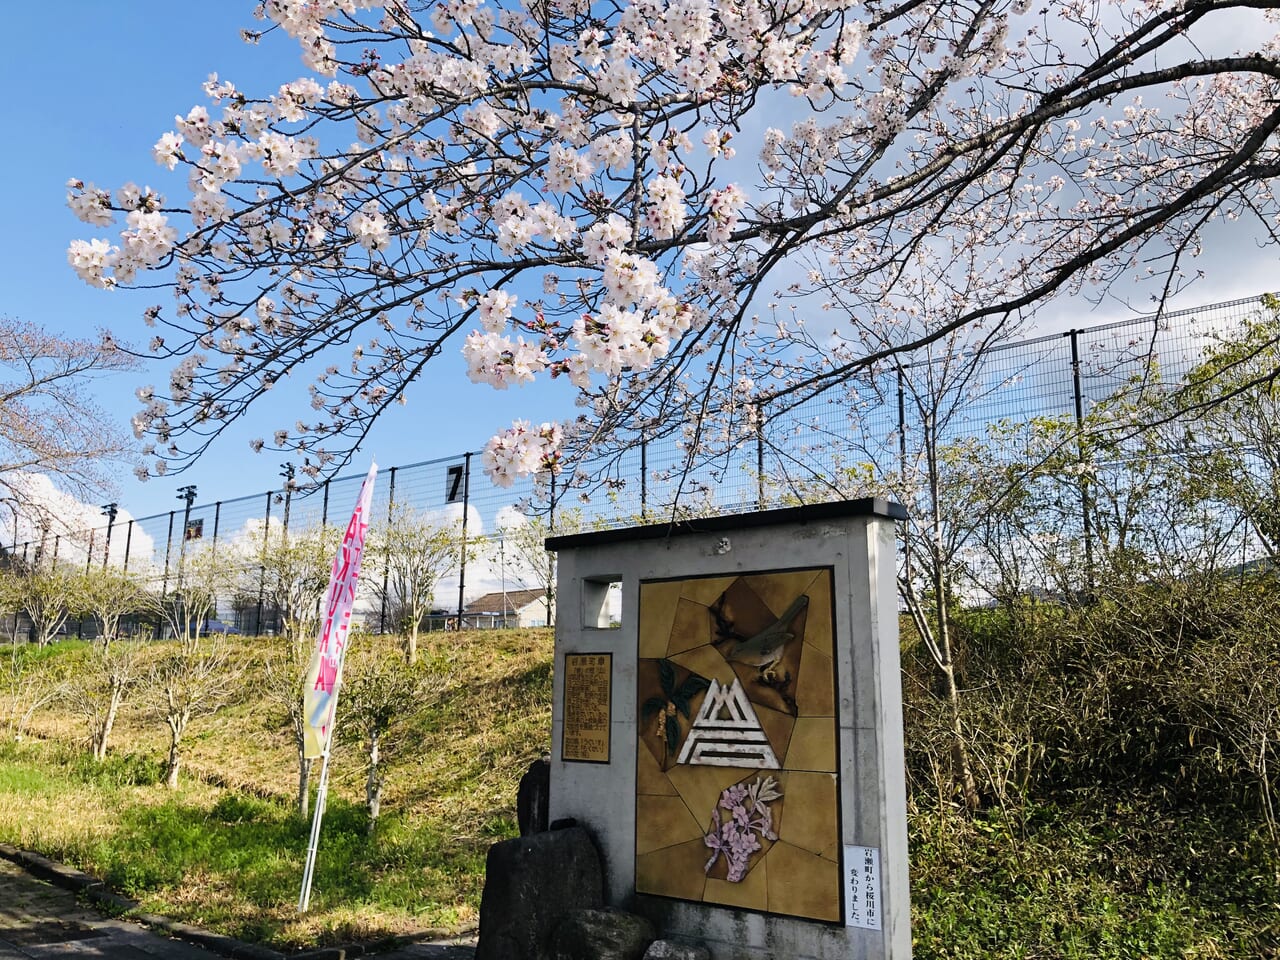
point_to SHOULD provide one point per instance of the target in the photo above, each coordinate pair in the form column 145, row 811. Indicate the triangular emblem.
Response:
column 727, row 733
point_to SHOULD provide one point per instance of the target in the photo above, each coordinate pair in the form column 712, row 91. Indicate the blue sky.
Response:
column 89, row 87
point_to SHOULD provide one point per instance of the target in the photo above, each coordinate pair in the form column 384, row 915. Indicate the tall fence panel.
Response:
column 833, row 445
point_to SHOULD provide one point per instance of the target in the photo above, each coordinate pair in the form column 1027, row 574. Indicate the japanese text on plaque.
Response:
column 587, row 679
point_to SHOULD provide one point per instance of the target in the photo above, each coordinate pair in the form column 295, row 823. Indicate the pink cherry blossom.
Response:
column 948, row 161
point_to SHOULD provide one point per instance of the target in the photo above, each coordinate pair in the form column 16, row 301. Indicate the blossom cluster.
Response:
column 548, row 183
column 635, row 325
column 522, row 451
column 747, row 820
column 500, row 361
column 146, row 241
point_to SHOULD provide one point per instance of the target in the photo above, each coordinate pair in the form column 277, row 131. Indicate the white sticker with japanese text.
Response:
column 862, row 887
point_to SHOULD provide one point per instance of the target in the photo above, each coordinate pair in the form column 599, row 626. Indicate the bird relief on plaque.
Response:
column 736, row 770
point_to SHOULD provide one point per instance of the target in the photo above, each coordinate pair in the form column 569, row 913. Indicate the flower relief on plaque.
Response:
column 736, row 767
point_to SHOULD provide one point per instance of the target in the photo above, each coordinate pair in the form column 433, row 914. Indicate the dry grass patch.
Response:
column 225, row 849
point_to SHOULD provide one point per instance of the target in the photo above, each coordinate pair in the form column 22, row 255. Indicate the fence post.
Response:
column 324, row 510
column 551, row 508
column 759, row 410
column 386, row 553
column 1086, row 507
column 168, row 549
column 217, row 517
column 902, row 469
column 262, row 566
column 462, row 557
column 644, row 478
column 902, row 427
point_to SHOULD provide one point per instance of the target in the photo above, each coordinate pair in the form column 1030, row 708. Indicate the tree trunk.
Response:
column 171, row 767
column 304, row 783
column 177, row 724
column 960, row 762
column 373, row 784
column 103, row 734
column 961, row 765
column 411, row 641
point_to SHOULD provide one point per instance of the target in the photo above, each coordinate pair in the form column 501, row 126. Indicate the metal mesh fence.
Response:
column 846, row 442
column 852, row 442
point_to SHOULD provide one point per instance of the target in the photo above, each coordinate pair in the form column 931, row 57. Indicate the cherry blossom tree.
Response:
column 416, row 549
column 113, row 672
column 293, row 574
column 284, row 677
column 110, row 594
column 192, row 680
column 49, row 422
column 626, row 193
column 379, row 695
column 50, row 594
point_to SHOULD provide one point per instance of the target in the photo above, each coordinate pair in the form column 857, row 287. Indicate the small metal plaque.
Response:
column 588, row 685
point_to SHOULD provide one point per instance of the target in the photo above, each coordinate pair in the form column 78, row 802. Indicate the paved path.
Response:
column 40, row 921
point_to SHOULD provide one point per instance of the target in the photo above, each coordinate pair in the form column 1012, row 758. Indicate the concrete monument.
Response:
column 734, row 744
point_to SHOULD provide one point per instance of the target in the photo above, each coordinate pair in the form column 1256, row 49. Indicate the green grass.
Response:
column 1102, row 876
column 233, row 861
column 226, row 849
column 1080, row 883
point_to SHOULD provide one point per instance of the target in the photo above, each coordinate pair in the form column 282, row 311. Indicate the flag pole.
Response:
column 308, row 872
column 322, row 797
column 324, row 674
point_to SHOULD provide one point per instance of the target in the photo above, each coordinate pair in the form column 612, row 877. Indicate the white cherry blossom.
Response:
column 531, row 169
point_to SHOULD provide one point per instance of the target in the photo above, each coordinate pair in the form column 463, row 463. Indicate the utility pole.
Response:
column 187, row 495
column 110, row 511
column 287, row 471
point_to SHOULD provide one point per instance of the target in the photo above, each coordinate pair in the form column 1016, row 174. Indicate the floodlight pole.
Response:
column 287, row 471
column 187, row 495
column 110, row 511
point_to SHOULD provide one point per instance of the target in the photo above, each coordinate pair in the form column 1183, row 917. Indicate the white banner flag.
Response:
column 324, row 675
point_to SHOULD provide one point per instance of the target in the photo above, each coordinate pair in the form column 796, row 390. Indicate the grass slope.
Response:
column 226, row 849
column 1113, row 877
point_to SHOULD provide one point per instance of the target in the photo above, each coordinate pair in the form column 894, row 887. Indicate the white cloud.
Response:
column 69, row 526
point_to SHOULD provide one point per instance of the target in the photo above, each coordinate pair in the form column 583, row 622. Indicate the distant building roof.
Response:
column 492, row 602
